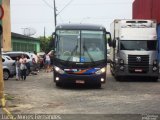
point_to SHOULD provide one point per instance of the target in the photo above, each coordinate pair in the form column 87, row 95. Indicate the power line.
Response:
column 61, row 18
column 48, row 4
column 53, row 7
column 65, row 7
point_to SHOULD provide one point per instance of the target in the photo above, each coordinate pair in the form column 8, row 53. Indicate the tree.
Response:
column 46, row 43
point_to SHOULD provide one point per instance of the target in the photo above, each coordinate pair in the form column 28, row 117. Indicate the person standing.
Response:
column 47, row 62
column 35, row 61
column 23, row 67
column 17, row 69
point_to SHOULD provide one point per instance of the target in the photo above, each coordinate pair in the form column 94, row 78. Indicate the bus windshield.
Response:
column 80, row 45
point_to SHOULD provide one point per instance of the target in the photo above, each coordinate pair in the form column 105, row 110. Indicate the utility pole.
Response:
column 1, row 74
column 44, row 33
column 1, row 66
column 55, row 15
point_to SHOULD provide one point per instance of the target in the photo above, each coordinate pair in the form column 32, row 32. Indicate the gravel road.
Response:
column 38, row 94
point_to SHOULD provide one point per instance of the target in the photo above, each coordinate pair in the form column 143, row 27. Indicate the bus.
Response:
column 80, row 54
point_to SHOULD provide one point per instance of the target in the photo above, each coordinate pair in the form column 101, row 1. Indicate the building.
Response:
column 24, row 43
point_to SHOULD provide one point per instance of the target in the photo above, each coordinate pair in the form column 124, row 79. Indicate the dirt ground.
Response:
column 39, row 95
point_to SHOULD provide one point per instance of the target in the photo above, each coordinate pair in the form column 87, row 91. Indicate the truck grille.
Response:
column 138, row 63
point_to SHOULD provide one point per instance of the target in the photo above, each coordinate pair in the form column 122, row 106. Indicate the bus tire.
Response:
column 98, row 85
column 59, row 84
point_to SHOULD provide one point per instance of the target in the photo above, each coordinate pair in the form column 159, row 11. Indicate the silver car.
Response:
column 9, row 68
column 15, row 54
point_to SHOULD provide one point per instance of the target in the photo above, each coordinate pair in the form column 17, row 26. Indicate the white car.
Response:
column 9, row 68
column 15, row 54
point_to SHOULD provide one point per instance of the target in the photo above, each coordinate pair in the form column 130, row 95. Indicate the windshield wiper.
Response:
column 73, row 51
column 91, row 58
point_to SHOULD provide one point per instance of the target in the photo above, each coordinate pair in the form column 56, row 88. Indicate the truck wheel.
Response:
column 155, row 79
column 119, row 78
column 5, row 74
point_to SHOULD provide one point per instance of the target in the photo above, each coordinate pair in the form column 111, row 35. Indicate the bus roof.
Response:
column 80, row 27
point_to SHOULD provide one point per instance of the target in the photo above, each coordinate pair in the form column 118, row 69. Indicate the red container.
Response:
column 156, row 10
column 135, row 9
column 142, row 9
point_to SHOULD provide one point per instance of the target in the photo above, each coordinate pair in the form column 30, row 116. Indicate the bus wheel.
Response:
column 98, row 85
column 59, row 84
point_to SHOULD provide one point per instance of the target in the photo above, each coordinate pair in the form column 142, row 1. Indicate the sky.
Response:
column 35, row 15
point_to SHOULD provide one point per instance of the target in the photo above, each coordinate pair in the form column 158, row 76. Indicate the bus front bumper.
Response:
column 79, row 79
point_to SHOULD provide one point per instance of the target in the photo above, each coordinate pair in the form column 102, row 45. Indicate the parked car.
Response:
column 15, row 54
column 9, row 68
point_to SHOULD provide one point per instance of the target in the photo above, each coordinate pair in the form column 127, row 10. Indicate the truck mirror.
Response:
column 114, row 43
column 108, row 35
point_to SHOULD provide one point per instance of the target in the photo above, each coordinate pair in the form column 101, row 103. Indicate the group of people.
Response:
column 22, row 65
column 21, row 68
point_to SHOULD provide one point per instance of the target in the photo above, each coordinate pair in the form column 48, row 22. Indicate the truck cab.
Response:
column 134, row 49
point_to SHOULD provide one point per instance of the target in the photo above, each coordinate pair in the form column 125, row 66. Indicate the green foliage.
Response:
column 9, row 97
column 45, row 43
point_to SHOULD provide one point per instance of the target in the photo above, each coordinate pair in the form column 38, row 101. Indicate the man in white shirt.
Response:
column 35, row 61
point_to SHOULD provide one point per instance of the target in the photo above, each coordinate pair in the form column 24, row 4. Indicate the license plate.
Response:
column 138, row 70
column 80, row 81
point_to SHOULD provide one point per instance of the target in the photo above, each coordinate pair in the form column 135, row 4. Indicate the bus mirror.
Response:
column 53, row 35
column 53, row 38
column 109, row 42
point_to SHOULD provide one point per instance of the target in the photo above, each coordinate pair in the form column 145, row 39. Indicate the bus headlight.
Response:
column 57, row 69
column 102, row 70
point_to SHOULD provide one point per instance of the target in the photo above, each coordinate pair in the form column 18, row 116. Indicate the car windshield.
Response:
column 80, row 45
column 142, row 45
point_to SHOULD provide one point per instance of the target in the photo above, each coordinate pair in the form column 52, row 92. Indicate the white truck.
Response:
column 134, row 48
